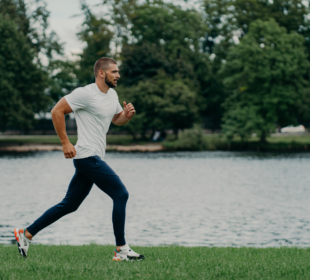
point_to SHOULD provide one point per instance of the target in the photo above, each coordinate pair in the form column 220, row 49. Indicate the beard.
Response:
column 109, row 83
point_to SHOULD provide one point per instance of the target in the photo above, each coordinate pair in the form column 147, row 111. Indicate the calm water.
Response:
column 191, row 199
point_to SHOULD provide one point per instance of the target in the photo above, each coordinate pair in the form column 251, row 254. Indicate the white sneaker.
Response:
column 127, row 254
column 22, row 242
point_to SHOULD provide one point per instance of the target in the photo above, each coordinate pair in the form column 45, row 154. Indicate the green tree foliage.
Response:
column 63, row 78
column 229, row 20
column 160, row 103
column 266, row 74
column 233, row 18
column 164, row 53
column 167, row 37
column 27, row 54
column 22, row 83
column 178, row 31
column 31, row 19
column 97, row 35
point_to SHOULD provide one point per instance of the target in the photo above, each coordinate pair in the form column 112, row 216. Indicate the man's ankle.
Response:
column 28, row 235
column 118, row 248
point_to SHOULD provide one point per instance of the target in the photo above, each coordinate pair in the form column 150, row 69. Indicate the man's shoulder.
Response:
column 113, row 91
column 85, row 91
column 80, row 93
column 81, row 89
column 90, row 87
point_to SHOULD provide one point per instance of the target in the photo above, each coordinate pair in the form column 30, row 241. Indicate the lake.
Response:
column 184, row 198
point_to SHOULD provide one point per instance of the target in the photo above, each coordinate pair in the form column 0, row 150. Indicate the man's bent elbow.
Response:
column 55, row 112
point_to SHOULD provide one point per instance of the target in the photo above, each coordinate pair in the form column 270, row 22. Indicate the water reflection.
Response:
column 202, row 198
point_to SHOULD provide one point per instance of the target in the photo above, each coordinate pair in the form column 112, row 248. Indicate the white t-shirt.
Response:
column 93, row 112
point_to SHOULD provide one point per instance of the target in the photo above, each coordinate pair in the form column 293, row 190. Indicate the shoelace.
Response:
column 130, row 250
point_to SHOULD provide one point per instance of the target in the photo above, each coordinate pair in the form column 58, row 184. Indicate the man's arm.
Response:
column 61, row 109
column 125, row 116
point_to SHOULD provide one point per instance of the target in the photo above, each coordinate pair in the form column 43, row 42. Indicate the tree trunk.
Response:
column 176, row 133
column 134, row 136
column 263, row 137
column 143, row 136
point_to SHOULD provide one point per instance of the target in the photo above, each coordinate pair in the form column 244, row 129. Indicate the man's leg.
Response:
column 113, row 186
column 106, row 179
column 79, row 188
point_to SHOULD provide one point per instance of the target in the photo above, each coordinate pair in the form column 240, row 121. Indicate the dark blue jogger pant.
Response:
column 89, row 171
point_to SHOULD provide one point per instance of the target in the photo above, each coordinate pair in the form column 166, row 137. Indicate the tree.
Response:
column 161, row 103
column 169, row 32
column 25, row 81
column 63, row 78
column 266, row 75
column 164, row 50
column 97, row 35
column 31, row 19
column 233, row 18
column 22, row 83
column 229, row 21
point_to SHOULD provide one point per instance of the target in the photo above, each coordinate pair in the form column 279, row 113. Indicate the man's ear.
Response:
column 102, row 74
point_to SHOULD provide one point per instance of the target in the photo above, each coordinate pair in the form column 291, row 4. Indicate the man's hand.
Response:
column 129, row 110
column 69, row 150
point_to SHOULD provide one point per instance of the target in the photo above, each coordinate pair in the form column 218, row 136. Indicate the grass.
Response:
column 170, row 262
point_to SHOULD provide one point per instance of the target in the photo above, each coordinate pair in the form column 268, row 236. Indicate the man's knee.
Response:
column 124, row 195
column 68, row 207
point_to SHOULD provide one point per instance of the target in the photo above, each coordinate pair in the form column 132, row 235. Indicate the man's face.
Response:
column 112, row 76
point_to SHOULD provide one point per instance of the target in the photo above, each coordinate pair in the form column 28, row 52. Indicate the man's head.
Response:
column 106, row 68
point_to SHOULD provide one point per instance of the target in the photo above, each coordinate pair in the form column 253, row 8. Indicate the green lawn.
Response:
column 171, row 262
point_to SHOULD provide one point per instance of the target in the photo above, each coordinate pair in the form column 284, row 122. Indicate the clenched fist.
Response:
column 129, row 110
column 68, row 150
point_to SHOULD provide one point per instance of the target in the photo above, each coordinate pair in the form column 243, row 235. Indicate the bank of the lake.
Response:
column 125, row 143
column 218, row 142
column 169, row 262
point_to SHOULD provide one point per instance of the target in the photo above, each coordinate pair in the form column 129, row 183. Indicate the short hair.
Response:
column 103, row 63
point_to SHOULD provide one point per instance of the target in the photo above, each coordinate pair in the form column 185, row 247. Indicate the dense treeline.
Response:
column 237, row 65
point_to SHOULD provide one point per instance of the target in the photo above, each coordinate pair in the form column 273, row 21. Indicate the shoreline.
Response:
column 150, row 148
column 57, row 147
column 37, row 145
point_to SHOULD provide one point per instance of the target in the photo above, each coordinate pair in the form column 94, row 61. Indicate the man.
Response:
column 94, row 106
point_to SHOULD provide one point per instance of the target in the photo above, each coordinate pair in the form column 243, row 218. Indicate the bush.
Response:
column 190, row 140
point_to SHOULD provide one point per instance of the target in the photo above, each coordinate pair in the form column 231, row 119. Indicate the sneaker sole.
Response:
column 130, row 259
column 21, row 251
column 135, row 258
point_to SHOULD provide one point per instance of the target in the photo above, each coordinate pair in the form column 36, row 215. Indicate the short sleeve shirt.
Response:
column 94, row 111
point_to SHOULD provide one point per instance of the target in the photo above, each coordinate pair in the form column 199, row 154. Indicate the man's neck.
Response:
column 103, row 87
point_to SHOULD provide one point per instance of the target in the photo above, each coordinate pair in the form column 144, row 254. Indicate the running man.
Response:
column 94, row 106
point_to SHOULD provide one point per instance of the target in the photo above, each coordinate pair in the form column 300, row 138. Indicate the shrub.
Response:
column 190, row 140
